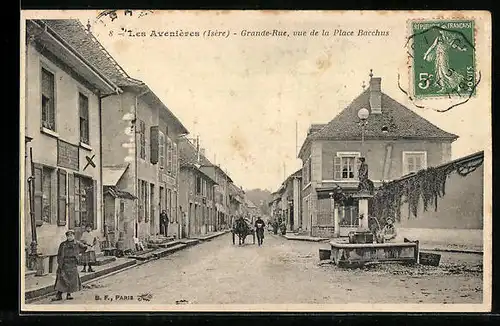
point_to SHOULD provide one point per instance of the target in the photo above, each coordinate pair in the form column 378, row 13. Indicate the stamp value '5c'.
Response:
column 443, row 58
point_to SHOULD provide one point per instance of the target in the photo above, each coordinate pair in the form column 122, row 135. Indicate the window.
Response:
column 345, row 165
column 143, row 200
column 174, row 206
column 161, row 150
column 61, row 197
column 198, row 185
column 46, row 195
column 48, row 100
column 83, row 104
column 43, row 194
column 142, row 139
column 151, row 204
column 122, row 210
column 169, row 155
column 414, row 161
column 84, row 206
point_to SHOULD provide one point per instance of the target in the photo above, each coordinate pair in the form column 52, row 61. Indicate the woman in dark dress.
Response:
column 67, row 278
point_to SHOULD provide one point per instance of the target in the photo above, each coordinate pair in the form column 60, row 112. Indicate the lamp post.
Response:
column 363, row 115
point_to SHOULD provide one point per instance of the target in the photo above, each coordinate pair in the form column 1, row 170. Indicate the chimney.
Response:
column 376, row 95
column 202, row 151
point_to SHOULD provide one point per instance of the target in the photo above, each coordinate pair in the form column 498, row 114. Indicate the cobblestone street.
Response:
column 284, row 272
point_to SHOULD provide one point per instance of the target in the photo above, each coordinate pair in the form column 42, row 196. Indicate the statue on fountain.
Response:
column 365, row 184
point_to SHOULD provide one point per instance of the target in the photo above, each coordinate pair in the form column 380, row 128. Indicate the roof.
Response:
column 188, row 154
column 73, row 31
column 250, row 204
column 400, row 121
column 111, row 175
column 86, row 44
column 118, row 193
column 51, row 41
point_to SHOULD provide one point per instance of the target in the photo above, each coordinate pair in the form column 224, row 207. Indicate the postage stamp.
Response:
column 206, row 161
column 443, row 58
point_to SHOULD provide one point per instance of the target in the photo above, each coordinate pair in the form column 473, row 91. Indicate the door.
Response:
column 291, row 218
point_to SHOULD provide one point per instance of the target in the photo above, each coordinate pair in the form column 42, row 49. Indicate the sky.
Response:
column 245, row 96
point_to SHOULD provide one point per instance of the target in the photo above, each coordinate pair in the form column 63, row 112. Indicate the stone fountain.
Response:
column 364, row 246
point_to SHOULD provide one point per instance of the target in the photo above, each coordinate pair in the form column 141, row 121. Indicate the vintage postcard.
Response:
column 256, row 161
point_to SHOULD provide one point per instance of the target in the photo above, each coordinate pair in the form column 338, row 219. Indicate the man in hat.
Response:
column 67, row 278
column 88, row 257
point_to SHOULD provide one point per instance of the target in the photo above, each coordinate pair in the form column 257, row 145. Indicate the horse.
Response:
column 242, row 229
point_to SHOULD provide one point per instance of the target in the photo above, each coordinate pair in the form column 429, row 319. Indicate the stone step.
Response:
column 190, row 242
column 142, row 255
column 103, row 260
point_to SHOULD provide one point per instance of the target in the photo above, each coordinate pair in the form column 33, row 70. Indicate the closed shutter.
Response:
column 71, row 200
column 61, row 197
column 38, row 194
column 154, row 150
column 94, row 204
column 337, row 168
column 174, row 159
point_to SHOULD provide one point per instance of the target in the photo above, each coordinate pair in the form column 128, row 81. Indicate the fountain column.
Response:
column 363, row 211
column 336, row 222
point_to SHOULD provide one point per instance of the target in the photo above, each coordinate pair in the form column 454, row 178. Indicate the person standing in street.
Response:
column 88, row 257
column 67, row 278
column 164, row 222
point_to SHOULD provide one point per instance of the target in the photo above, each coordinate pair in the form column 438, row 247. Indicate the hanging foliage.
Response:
column 428, row 184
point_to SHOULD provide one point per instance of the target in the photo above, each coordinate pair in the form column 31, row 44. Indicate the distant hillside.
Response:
column 260, row 198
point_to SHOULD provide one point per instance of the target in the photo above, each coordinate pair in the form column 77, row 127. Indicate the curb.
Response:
column 459, row 251
column 306, row 239
column 45, row 291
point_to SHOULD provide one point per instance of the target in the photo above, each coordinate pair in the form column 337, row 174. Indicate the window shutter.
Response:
column 161, row 149
column 169, row 155
column 337, row 168
column 38, row 194
column 94, row 204
column 61, row 197
column 154, row 144
column 71, row 200
column 174, row 159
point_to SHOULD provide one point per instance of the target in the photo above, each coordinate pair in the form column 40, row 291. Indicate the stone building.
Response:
column 197, row 191
column 63, row 124
column 139, row 143
column 394, row 140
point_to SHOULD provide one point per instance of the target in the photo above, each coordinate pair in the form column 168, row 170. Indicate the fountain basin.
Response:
column 361, row 253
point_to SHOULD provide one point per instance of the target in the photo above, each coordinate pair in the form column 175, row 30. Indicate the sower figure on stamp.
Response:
column 88, row 257
column 67, row 278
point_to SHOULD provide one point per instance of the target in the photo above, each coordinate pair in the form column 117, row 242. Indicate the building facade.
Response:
column 197, row 191
column 394, row 141
column 139, row 144
column 63, row 112
column 222, row 201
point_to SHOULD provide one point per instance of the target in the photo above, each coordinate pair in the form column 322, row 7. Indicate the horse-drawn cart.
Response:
column 242, row 228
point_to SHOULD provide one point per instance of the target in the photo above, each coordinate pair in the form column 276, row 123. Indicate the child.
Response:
column 88, row 257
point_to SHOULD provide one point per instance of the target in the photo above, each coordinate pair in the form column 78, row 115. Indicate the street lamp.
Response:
column 363, row 115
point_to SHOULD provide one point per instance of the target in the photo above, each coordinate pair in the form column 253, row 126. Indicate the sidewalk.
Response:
column 304, row 238
column 427, row 246
column 41, row 286
column 209, row 236
column 37, row 286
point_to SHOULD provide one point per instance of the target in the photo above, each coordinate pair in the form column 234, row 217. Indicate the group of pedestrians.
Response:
column 70, row 253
